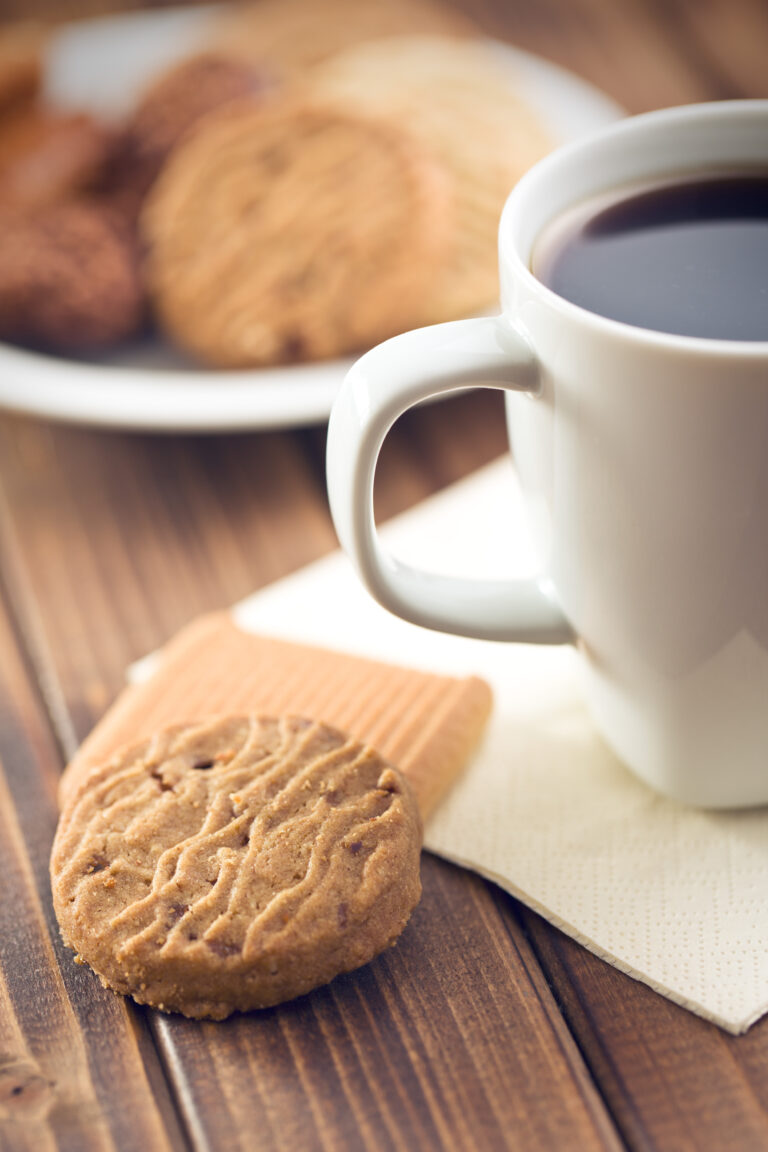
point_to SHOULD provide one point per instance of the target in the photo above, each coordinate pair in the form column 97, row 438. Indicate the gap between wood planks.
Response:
column 43, row 683
column 46, row 698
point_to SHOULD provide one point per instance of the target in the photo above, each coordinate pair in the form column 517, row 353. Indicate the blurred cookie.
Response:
column 69, row 278
column 180, row 97
column 292, row 232
column 458, row 101
column 235, row 864
column 296, row 34
column 47, row 156
column 21, row 64
column 170, row 106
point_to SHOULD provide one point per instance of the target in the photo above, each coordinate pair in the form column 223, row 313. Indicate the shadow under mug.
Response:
column 643, row 458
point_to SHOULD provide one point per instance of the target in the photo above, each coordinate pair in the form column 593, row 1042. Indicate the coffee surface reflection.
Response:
column 687, row 257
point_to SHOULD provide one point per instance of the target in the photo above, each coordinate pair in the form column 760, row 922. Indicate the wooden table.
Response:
column 485, row 1028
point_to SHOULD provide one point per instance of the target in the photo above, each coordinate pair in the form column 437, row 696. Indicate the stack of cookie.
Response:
column 322, row 177
column 69, row 273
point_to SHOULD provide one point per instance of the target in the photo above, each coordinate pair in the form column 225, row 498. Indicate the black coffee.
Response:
column 689, row 258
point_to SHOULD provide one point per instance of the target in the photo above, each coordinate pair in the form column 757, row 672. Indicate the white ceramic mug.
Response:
column 644, row 462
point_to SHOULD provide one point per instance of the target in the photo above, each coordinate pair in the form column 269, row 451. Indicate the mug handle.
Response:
column 487, row 352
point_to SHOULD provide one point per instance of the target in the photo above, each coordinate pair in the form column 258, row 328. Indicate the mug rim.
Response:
column 547, row 169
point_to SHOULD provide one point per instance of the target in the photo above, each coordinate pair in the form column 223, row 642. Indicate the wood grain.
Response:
column 726, row 43
column 129, row 537
column 622, row 46
column 65, row 1043
column 451, row 1062
column 59, row 11
column 451, row 1040
column 485, row 1028
column 670, row 1079
column 613, row 1020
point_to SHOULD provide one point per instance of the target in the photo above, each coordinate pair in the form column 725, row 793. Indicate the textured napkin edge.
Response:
column 733, row 1027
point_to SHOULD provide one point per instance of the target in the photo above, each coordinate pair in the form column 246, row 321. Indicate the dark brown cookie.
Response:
column 237, row 863
column 46, row 156
column 69, row 278
column 186, row 93
column 169, row 108
column 21, row 64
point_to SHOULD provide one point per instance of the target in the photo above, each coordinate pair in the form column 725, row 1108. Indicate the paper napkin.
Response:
column 673, row 896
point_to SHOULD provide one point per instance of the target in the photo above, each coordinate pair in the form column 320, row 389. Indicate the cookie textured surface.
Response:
column 181, row 96
column 21, row 64
column 47, row 157
column 458, row 102
column 69, row 278
column 292, row 232
column 234, row 864
column 169, row 107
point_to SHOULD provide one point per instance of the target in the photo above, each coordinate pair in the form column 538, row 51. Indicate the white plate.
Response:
column 101, row 65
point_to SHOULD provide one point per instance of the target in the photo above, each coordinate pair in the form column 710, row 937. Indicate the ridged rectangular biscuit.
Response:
column 426, row 724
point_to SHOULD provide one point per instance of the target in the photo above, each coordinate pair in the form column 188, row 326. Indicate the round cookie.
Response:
column 69, row 278
column 292, row 232
column 183, row 94
column 47, row 157
column 236, row 863
column 168, row 108
column 459, row 103
column 21, row 64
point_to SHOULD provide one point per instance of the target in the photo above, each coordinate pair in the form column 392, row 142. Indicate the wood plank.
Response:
column 450, row 1040
column 59, row 11
column 681, row 50
column 671, row 1080
column 590, row 37
column 216, row 517
column 726, row 39
column 635, row 1095
column 622, row 46
column 65, row 1043
column 459, row 434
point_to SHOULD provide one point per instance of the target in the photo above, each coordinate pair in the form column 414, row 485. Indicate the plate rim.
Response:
column 129, row 397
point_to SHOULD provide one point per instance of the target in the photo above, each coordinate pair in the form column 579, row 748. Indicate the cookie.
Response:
column 69, row 278
column 172, row 104
column 294, row 35
column 292, row 232
column 460, row 104
column 180, row 97
column 46, row 157
column 21, row 64
column 233, row 865
column 427, row 724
